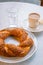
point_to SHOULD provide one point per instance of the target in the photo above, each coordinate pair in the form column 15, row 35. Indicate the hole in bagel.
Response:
column 11, row 40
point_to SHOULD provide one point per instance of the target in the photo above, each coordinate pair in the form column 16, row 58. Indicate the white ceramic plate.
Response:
column 16, row 60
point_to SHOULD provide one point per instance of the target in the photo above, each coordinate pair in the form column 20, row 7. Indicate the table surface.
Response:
column 24, row 9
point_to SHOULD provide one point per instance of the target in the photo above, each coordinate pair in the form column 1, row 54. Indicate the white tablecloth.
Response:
column 24, row 9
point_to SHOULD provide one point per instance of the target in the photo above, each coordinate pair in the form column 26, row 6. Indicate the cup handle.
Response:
column 40, row 21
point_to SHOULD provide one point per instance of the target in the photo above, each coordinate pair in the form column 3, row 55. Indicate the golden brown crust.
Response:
column 19, row 33
column 27, row 42
column 11, row 50
column 4, row 34
column 24, row 52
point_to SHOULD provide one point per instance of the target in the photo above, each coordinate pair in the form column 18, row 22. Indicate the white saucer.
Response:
column 39, row 28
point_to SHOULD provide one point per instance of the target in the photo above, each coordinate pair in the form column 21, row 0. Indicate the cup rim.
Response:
column 34, row 14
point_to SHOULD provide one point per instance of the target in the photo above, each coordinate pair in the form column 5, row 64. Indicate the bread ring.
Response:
column 11, row 50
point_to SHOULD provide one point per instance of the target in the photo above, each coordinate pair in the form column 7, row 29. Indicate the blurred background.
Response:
column 38, row 2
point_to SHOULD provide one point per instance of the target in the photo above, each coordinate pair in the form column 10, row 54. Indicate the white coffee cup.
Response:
column 34, row 19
